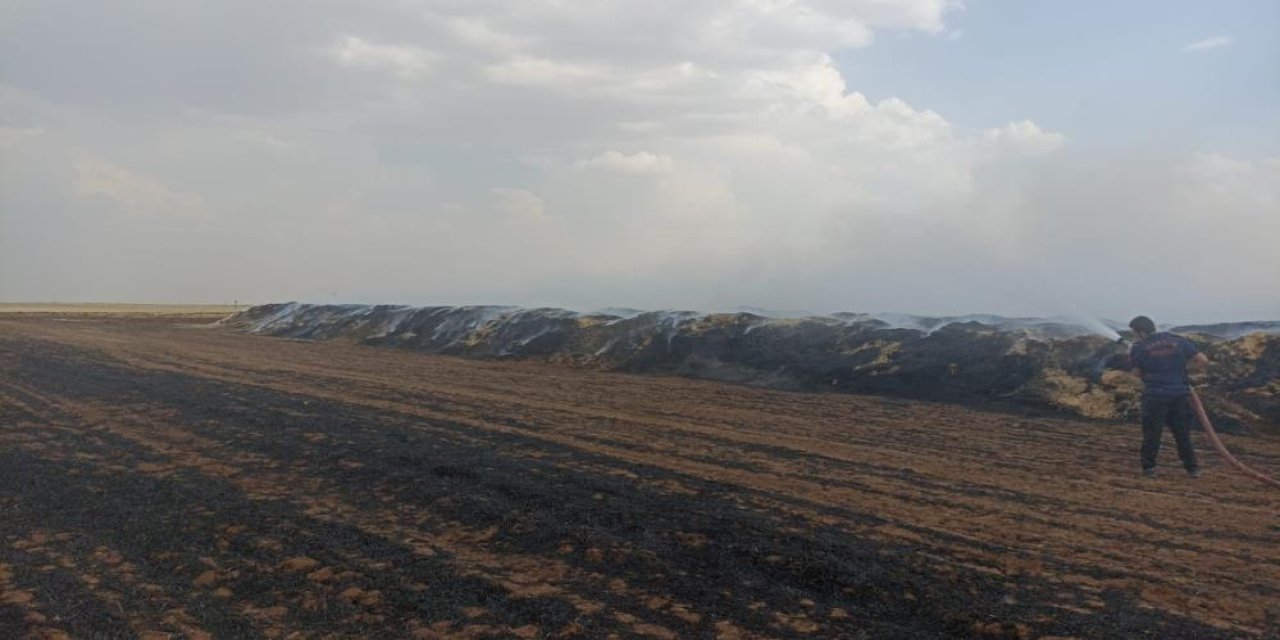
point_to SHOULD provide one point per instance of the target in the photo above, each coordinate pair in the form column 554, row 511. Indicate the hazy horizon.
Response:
column 1081, row 319
column 928, row 157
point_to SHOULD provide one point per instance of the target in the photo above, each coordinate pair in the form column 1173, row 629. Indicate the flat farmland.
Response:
column 162, row 478
column 213, row 311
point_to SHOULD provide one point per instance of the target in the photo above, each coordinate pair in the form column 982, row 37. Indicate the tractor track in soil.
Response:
column 159, row 477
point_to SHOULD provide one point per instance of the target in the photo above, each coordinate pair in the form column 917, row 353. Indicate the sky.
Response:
column 915, row 156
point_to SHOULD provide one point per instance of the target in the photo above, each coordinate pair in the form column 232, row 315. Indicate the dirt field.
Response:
column 116, row 310
column 160, row 478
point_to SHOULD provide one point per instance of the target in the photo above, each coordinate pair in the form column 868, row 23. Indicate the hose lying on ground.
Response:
column 1222, row 450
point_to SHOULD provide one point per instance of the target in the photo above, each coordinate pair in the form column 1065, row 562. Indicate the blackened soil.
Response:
column 147, row 492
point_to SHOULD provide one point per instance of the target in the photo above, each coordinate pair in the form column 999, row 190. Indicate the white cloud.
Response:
column 401, row 60
column 1027, row 137
column 767, row 177
column 533, row 71
column 478, row 32
column 1250, row 187
column 15, row 133
column 920, row 15
column 135, row 193
column 790, row 24
column 1210, row 43
column 518, row 203
column 640, row 162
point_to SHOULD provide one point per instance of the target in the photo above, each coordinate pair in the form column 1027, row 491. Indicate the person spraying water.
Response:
column 1162, row 360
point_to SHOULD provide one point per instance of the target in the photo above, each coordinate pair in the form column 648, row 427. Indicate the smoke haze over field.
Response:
column 909, row 155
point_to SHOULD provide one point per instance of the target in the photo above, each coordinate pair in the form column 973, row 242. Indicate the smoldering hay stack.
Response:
column 1051, row 364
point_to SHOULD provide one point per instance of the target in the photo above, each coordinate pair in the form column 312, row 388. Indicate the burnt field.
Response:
column 163, row 479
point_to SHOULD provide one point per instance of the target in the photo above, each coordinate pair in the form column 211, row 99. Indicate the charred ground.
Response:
column 160, row 477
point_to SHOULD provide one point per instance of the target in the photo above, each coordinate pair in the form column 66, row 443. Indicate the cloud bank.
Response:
column 701, row 154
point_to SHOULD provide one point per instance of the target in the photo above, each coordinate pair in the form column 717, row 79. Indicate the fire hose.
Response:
column 1222, row 450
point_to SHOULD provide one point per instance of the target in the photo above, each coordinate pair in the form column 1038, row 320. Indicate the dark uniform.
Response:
column 1162, row 360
